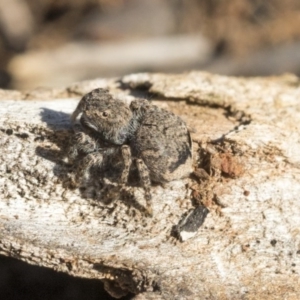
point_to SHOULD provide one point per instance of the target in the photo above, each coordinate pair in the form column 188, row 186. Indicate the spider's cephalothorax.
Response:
column 104, row 117
column 157, row 141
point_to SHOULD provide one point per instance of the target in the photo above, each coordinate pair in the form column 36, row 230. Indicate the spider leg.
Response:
column 126, row 155
column 94, row 159
column 146, row 183
column 80, row 142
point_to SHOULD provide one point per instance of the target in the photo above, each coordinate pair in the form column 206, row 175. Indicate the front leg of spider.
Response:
column 80, row 142
column 126, row 155
column 83, row 154
column 143, row 173
column 146, row 184
column 83, row 170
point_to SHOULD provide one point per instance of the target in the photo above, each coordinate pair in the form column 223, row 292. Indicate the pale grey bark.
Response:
column 249, row 244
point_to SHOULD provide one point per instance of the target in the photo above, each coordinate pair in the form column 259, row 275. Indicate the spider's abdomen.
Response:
column 163, row 142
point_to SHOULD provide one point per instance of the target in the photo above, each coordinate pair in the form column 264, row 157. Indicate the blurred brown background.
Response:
column 56, row 42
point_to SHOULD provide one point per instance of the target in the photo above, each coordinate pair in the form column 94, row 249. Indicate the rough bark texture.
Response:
column 246, row 135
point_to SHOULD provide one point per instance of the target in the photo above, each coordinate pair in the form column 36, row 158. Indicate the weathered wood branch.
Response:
column 246, row 134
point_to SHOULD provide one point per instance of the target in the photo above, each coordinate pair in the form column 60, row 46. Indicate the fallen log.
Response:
column 246, row 137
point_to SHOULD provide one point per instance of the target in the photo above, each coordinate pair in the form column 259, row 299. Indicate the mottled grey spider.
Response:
column 157, row 141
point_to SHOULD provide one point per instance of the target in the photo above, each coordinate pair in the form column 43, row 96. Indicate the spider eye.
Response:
column 105, row 114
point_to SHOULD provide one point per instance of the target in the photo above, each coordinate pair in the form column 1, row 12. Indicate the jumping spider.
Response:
column 157, row 141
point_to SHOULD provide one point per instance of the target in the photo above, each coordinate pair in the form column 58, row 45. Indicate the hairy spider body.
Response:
column 157, row 141
column 163, row 142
